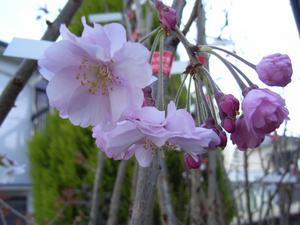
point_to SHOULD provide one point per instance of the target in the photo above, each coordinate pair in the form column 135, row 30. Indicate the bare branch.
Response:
column 26, row 68
column 16, row 212
column 95, row 193
column 115, row 199
column 144, row 196
column 164, row 194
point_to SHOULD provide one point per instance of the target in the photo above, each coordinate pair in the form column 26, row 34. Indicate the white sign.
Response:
column 26, row 48
column 34, row 49
column 105, row 17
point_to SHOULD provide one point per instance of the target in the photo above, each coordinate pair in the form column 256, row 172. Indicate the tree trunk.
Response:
column 212, row 182
column 247, row 188
column 115, row 199
column 196, row 214
column 144, row 196
column 95, row 193
column 165, row 202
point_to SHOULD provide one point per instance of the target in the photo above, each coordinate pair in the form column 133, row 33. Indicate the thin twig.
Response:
column 3, row 220
column 16, row 212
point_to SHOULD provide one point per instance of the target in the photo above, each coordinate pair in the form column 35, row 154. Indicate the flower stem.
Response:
column 234, row 55
column 243, row 75
column 188, row 97
column 232, row 71
column 149, row 35
column 160, row 91
column 199, row 113
column 199, row 86
column 155, row 43
column 212, row 83
column 187, row 45
column 180, row 90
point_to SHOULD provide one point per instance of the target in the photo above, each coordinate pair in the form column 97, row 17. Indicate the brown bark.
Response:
column 247, row 188
column 115, row 199
column 165, row 202
column 27, row 67
column 212, row 182
column 95, row 193
column 144, row 196
column 196, row 214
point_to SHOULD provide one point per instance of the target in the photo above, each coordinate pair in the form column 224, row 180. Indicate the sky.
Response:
column 255, row 28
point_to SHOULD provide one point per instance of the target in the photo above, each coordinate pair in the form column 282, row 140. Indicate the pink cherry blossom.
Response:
column 275, row 70
column 140, row 135
column 96, row 77
column 147, row 129
column 243, row 137
column 264, row 111
column 167, row 15
column 192, row 139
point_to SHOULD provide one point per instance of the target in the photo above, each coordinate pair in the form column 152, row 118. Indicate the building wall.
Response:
column 14, row 133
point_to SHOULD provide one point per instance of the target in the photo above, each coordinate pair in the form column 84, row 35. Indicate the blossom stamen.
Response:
column 95, row 77
column 149, row 145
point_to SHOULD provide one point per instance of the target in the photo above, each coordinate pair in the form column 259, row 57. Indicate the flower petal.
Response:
column 143, row 156
column 131, row 64
column 58, row 92
column 117, row 36
column 116, row 142
column 118, row 102
column 54, row 61
column 87, row 109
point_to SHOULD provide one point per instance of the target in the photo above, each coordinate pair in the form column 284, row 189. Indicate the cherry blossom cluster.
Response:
column 102, row 80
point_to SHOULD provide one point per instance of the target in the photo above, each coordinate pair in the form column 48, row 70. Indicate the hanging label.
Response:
column 201, row 59
column 167, row 61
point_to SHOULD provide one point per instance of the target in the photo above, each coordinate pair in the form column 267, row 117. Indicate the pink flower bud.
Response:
column 192, row 162
column 229, row 124
column 275, row 70
column 264, row 111
column 228, row 104
column 210, row 124
column 167, row 15
column 244, row 138
column 223, row 137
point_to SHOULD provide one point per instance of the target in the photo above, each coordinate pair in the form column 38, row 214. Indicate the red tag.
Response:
column 167, row 61
column 201, row 59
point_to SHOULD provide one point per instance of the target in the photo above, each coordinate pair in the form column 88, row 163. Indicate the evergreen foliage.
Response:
column 62, row 160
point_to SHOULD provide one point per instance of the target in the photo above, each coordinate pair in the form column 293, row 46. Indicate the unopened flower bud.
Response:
column 228, row 104
column 211, row 124
column 229, row 124
column 192, row 162
column 167, row 15
column 223, row 137
column 244, row 138
column 275, row 70
column 264, row 111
